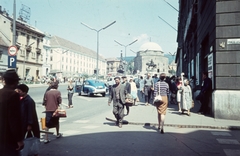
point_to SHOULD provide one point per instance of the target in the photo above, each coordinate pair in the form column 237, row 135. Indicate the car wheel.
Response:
column 90, row 94
column 103, row 94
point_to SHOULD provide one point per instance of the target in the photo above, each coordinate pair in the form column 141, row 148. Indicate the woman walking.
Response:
column 133, row 90
column 161, row 87
column 70, row 94
column 179, row 87
column 187, row 97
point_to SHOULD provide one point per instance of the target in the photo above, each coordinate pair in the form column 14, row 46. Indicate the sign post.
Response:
column 12, row 58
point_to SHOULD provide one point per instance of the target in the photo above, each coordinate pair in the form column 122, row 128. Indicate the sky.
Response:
column 135, row 19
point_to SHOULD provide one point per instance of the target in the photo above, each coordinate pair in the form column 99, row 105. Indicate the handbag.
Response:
column 31, row 145
column 61, row 113
column 158, row 98
column 129, row 99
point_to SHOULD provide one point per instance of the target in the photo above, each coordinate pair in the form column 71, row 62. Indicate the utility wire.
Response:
column 167, row 23
column 171, row 6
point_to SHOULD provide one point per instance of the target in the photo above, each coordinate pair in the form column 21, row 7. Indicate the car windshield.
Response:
column 96, row 83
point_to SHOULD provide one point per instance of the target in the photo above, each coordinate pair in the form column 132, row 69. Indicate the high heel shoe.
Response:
column 162, row 131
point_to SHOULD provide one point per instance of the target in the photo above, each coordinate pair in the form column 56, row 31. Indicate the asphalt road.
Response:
column 86, row 132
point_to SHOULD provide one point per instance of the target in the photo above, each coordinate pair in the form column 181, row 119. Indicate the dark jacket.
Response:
column 207, row 86
column 29, row 116
column 10, row 119
column 112, row 94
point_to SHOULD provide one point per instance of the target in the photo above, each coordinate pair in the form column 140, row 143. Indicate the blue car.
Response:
column 91, row 87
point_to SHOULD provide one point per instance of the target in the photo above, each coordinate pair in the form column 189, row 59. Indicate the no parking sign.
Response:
column 12, row 59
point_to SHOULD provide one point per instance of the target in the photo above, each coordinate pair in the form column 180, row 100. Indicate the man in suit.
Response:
column 11, row 138
column 118, row 96
column 206, row 91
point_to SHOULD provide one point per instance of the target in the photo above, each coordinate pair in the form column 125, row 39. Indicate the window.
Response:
column 1, row 52
column 51, row 58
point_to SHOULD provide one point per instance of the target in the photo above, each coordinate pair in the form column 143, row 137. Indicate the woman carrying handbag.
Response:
column 161, row 87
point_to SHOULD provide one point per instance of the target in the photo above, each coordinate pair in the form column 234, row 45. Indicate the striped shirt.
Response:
column 164, row 88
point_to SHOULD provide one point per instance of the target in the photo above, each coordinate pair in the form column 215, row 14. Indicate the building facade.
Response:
column 209, row 40
column 150, row 59
column 29, row 43
column 46, row 53
column 68, row 59
column 113, row 65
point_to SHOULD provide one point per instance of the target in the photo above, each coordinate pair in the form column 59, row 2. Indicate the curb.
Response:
column 179, row 125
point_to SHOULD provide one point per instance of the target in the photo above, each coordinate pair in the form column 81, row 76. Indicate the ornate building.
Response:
column 112, row 66
column 29, row 43
column 150, row 58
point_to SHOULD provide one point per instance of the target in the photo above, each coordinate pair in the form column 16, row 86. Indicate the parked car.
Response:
column 90, row 88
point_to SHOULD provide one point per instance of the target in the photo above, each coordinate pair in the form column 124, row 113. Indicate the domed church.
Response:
column 150, row 58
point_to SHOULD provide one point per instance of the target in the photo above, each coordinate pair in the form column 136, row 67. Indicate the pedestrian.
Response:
column 127, row 88
column 28, row 113
column 1, row 82
column 118, row 95
column 179, row 87
column 186, row 97
column 70, row 94
column 11, row 138
column 173, row 89
column 52, row 100
column 148, row 89
column 161, row 108
column 133, row 87
column 206, row 92
column 141, row 95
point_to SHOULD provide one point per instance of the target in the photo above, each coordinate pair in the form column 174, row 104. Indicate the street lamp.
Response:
column 27, row 46
column 98, row 40
column 126, row 45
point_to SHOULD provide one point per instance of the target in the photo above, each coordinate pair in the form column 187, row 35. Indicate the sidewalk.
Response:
column 147, row 115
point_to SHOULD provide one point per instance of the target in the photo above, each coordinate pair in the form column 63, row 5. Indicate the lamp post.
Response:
column 98, row 40
column 125, row 46
column 24, row 62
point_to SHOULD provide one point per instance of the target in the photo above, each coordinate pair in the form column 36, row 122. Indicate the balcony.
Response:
column 38, row 50
column 29, row 48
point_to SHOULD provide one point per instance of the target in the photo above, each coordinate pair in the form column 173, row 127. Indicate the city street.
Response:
column 87, row 132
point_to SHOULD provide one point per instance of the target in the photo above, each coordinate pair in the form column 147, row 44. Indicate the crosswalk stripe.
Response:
column 232, row 152
column 81, row 121
column 90, row 127
column 228, row 141
column 221, row 133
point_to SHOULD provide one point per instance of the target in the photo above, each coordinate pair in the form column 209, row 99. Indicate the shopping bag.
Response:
column 31, row 145
column 43, row 123
column 129, row 99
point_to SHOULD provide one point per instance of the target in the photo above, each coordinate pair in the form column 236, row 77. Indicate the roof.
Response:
column 58, row 41
column 150, row 46
column 112, row 59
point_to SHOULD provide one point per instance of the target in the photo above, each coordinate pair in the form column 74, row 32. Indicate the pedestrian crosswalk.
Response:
column 225, row 138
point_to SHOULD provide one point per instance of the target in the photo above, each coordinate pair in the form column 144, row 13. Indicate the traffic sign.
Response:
column 12, row 61
column 12, row 51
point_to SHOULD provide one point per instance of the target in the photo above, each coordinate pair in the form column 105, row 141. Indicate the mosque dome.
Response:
column 151, row 46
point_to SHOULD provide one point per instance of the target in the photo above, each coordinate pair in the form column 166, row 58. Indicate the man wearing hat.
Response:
column 11, row 138
column 118, row 96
